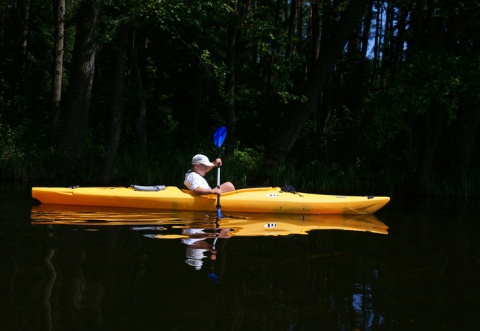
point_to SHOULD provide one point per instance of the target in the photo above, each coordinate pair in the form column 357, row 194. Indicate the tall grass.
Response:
column 462, row 184
column 168, row 167
column 164, row 168
column 321, row 178
column 25, row 163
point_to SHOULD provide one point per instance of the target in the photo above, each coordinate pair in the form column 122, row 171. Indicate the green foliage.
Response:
column 428, row 78
column 10, row 155
column 19, row 152
column 369, row 142
column 243, row 166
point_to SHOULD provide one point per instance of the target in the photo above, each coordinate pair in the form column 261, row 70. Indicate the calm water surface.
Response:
column 413, row 266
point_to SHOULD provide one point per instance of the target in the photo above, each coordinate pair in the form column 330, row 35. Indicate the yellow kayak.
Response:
column 252, row 200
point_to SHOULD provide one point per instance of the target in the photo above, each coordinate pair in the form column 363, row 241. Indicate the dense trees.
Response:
column 367, row 91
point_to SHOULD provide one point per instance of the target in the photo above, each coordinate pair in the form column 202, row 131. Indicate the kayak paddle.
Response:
column 218, row 138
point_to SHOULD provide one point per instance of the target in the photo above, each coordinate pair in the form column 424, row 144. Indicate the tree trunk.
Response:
column 286, row 135
column 197, row 104
column 22, row 24
column 293, row 23
column 142, row 105
column 314, row 33
column 240, row 9
column 273, row 49
column 230, row 88
column 365, row 35
column 399, row 43
column 468, row 139
column 117, row 104
column 59, row 15
column 432, row 125
column 81, row 81
column 376, row 45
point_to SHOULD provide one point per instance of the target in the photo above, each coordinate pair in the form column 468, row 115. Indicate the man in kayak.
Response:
column 195, row 181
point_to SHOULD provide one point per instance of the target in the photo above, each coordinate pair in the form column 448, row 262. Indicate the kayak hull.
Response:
column 254, row 200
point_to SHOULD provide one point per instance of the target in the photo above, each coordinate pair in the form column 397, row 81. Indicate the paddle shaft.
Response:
column 218, row 184
column 218, row 138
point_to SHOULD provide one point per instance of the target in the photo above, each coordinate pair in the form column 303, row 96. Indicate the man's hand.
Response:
column 216, row 191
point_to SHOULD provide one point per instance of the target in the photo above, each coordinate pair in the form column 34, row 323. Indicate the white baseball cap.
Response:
column 202, row 159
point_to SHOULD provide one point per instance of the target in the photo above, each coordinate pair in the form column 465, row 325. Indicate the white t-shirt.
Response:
column 194, row 180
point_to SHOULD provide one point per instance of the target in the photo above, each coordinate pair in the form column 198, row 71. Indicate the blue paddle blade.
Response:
column 214, row 277
column 219, row 136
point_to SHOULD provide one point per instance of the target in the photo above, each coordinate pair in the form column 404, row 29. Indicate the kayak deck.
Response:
column 255, row 200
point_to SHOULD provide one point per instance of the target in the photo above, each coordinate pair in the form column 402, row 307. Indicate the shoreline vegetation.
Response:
column 241, row 167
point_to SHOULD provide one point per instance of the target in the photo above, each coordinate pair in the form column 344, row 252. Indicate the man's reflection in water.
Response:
column 201, row 244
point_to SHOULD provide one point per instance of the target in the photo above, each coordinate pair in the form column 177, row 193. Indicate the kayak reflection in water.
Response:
column 195, row 181
column 198, row 248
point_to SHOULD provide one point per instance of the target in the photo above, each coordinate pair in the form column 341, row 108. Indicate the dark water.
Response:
column 71, row 270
